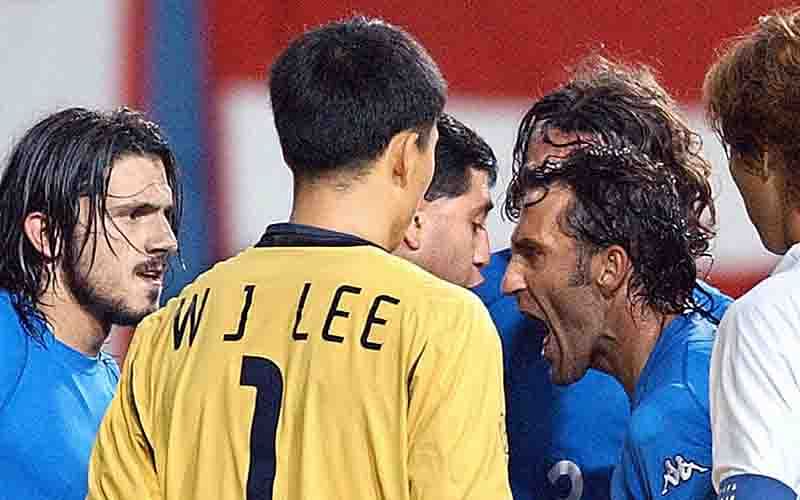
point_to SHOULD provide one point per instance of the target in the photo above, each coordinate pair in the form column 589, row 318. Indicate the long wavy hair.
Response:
column 614, row 104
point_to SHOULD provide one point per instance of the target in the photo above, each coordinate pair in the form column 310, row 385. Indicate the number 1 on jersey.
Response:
column 266, row 377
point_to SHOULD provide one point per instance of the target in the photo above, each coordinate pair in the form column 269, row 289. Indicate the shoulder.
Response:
column 682, row 404
column 711, row 299
column 765, row 318
column 677, row 373
column 777, row 297
column 671, row 424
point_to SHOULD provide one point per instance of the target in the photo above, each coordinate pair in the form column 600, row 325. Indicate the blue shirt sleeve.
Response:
column 13, row 350
column 754, row 487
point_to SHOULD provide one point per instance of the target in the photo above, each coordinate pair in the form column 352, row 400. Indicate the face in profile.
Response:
column 454, row 242
column 550, row 274
column 762, row 189
column 119, row 274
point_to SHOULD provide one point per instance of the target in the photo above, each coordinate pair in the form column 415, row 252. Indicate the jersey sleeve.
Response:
column 457, row 439
column 122, row 463
column 755, row 392
column 667, row 452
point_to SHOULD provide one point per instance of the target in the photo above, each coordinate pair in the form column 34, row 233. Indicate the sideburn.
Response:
column 581, row 275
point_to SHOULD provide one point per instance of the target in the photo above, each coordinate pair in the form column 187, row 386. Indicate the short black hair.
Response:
column 458, row 151
column 622, row 197
column 64, row 157
column 340, row 93
column 617, row 104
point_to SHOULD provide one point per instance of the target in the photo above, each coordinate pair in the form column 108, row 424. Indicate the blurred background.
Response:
column 199, row 68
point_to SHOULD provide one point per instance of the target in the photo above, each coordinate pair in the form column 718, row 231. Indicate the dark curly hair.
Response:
column 614, row 104
column 751, row 92
column 622, row 197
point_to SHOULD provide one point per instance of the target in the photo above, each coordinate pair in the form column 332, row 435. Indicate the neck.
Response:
column 636, row 331
column 72, row 323
column 355, row 210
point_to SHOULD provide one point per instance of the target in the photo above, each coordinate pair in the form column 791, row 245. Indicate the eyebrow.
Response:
column 136, row 204
column 526, row 243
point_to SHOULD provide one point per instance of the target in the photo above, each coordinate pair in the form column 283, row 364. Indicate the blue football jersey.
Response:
column 52, row 399
column 565, row 441
column 667, row 451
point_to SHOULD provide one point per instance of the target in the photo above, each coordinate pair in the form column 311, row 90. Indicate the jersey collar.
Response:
column 287, row 234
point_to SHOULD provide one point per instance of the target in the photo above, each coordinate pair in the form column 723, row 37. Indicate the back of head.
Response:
column 340, row 92
column 622, row 197
column 61, row 159
column 615, row 104
column 751, row 92
column 459, row 151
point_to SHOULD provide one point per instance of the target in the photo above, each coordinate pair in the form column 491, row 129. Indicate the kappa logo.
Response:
column 679, row 470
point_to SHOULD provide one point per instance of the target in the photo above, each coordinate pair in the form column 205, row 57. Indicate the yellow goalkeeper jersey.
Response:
column 311, row 366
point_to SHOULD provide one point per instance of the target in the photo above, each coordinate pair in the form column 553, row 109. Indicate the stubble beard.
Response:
column 100, row 302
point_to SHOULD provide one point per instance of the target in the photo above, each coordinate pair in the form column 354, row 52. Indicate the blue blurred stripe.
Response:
column 178, row 103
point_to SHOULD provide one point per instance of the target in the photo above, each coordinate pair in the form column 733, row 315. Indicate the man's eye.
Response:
column 136, row 214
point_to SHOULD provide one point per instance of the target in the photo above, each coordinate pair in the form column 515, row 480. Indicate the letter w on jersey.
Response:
column 680, row 470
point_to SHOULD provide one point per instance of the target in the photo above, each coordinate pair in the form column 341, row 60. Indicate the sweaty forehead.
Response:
column 136, row 175
column 542, row 210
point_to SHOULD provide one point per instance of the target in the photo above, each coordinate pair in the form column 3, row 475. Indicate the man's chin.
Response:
column 132, row 317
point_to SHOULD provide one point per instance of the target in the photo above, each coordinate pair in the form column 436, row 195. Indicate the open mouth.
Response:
column 152, row 273
column 155, row 277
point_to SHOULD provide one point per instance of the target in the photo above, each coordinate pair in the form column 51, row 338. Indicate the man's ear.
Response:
column 38, row 234
column 612, row 265
column 403, row 153
column 413, row 235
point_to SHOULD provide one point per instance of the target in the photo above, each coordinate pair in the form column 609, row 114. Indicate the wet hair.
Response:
column 64, row 157
column 751, row 93
column 459, row 151
column 614, row 104
column 340, row 93
column 622, row 197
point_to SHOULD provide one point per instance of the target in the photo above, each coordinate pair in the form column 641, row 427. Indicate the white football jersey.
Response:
column 755, row 381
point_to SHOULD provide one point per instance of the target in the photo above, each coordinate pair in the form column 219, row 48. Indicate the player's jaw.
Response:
column 564, row 346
